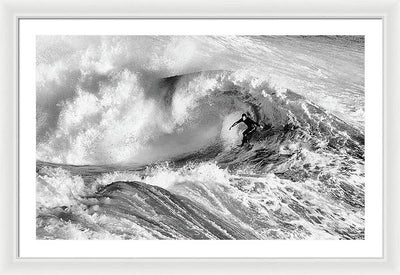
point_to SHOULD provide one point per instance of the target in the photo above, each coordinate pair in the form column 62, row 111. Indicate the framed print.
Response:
column 200, row 138
column 192, row 138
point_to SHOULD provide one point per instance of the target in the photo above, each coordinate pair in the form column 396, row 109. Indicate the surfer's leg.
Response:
column 245, row 139
column 250, row 134
column 247, row 135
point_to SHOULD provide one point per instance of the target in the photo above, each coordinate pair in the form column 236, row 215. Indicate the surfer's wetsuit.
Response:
column 251, row 127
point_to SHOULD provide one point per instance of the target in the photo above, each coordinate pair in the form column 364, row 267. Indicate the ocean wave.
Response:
column 126, row 123
column 131, row 146
column 197, row 201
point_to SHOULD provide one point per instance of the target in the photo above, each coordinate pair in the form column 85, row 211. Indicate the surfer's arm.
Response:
column 236, row 123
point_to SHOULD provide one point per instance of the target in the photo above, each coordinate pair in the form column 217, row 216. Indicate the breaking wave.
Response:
column 127, row 123
column 133, row 138
column 302, row 179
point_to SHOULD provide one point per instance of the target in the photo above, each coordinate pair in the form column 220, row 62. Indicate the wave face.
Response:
column 152, row 157
column 178, row 115
column 303, row 178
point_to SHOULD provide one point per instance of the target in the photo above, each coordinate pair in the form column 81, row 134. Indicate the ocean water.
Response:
column 133, row 138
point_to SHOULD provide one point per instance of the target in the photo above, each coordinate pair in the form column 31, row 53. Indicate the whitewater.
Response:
column 133, row 138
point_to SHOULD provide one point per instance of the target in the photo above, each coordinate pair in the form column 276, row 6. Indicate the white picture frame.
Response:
column 386, row 10
column 29, row 247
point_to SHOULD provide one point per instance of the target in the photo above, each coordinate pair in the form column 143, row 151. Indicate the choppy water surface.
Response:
column 137, row 146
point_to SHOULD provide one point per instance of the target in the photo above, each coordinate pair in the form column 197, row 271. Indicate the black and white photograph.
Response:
column 200, row 137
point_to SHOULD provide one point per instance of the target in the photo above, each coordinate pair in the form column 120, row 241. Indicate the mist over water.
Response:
column 133, row 138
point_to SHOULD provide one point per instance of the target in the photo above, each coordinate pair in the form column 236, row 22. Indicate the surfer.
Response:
column 251, row 127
